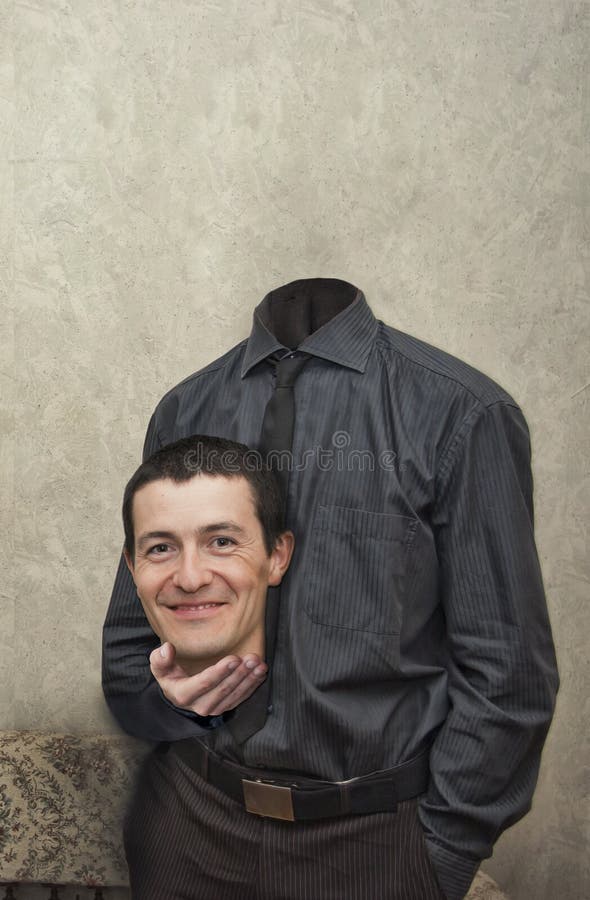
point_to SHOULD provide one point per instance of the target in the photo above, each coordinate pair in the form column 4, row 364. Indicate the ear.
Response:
column 128, row 560
column 281, row 557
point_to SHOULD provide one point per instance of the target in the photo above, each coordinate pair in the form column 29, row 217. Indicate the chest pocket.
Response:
column 357, row 567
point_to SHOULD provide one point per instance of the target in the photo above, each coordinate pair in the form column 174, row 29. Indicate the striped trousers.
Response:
column 186, row 840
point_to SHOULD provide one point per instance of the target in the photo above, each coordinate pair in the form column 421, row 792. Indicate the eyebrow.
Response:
column 222, row 526
column 171, row 536
column 154, row 535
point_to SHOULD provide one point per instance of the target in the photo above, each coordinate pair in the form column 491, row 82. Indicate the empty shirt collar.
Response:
column 346, row 338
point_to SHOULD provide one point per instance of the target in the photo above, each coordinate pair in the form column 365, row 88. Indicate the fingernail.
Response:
column 250, row 664
column 232, row 665
column 162, row 652
column 261, row 670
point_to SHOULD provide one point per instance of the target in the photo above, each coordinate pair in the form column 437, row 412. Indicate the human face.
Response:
column 201, row 568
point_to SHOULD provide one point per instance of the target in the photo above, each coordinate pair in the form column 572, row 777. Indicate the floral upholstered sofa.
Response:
column 62, row 801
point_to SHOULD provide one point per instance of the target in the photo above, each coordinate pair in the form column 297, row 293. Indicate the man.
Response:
column 204, row 541
column 412, row 620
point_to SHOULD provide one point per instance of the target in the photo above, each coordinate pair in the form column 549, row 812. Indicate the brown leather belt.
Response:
column 291, row 797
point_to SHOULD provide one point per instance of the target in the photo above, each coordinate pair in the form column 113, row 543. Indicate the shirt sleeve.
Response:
column 502, row 673
column 132, row 694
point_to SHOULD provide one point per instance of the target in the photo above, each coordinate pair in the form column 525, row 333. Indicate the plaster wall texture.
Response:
column 164, row 164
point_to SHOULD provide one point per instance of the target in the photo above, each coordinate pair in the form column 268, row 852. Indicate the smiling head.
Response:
column 203, row 546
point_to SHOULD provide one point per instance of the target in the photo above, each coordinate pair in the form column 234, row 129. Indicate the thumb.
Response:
column 162, row 659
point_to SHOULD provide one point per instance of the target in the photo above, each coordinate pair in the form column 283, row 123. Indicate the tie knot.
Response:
column 288, row 369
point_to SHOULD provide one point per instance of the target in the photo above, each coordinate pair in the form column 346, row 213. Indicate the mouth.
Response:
column 195, row 610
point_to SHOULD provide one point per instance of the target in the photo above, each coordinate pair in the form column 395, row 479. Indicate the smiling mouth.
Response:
column 195, row 610
column 195, row 606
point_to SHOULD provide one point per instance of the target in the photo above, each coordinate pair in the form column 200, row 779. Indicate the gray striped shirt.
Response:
column 413, row 611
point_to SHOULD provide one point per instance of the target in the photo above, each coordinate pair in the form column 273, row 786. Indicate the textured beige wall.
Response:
column 166, row 162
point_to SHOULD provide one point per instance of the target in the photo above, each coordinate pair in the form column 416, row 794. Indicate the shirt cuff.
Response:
column 455, row 873
column 207, row 722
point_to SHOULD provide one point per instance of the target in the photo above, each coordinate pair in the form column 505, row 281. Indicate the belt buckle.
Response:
column 271, row 800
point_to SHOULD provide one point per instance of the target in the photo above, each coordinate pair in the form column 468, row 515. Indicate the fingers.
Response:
column 199, row 692
column 222, row 687
column 243, row 682
column 216, row 690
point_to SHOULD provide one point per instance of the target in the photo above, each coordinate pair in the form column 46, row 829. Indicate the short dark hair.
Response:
column 204, row 455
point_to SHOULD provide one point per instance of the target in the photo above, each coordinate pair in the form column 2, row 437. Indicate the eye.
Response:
column 158, row 549
column 222, row 543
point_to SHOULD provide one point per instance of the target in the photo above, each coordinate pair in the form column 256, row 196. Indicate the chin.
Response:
column 206, row 656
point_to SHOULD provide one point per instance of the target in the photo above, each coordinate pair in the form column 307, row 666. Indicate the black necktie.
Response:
column 276, row 434
column 279, row 415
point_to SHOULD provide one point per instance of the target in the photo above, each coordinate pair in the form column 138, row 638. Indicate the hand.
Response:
column 215, row 690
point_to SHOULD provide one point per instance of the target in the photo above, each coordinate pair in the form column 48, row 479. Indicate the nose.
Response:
column 192, row 572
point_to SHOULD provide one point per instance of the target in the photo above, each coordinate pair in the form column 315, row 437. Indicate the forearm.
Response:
column 146, row 714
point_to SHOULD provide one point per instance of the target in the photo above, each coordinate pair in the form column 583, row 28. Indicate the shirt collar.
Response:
column 345, row 339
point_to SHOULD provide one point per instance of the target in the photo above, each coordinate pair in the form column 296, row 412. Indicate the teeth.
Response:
column 199, row 606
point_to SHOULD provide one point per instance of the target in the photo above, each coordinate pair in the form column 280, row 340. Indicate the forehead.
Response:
column 200, row 501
